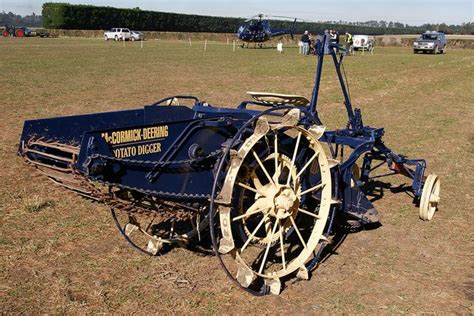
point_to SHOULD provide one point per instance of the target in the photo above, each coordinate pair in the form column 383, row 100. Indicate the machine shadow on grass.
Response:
column 375, row 190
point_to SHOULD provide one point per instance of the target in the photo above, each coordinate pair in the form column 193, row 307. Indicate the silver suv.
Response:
column 433, row 42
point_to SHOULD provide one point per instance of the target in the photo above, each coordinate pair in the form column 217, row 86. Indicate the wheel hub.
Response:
column 277, row 200
column 285, row 201
column 281, row 200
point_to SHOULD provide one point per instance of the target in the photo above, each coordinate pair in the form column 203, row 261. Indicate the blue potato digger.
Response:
column 270, row 187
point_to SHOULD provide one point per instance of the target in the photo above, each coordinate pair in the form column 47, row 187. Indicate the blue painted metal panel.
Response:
column 137, row 151
column 69, row 129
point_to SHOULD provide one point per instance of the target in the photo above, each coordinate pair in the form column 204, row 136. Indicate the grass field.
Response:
column 61, row 253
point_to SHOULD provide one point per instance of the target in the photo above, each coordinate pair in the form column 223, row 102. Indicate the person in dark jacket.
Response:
column 305, row 39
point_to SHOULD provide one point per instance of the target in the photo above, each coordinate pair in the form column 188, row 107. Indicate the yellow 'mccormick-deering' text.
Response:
column 135, row 135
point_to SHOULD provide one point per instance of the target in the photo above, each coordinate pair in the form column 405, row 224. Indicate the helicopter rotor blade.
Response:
column 282, row 17
column 293, row 18
column 293, row 29
column 253, row 17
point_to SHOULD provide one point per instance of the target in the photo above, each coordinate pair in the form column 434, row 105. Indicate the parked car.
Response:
column 118, row 34
column 433, row 42
column 136, row 36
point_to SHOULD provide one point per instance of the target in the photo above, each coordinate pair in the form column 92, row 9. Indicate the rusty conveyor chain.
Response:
column 177, row 165
column 68, row 178
column 86, row 188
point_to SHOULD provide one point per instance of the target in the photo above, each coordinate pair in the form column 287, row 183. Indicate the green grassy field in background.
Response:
column 62, row 254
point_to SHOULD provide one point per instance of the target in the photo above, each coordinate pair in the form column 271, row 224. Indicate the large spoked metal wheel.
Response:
column 274, row 204
column 429, row 197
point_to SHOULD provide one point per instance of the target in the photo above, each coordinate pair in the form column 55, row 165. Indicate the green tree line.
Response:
column 13, row 19
column 87, row 17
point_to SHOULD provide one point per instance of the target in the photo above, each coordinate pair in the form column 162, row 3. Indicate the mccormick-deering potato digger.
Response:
column 268, row 185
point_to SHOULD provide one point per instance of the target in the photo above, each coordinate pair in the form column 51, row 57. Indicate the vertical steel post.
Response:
column 314, row 96
column 347, row 100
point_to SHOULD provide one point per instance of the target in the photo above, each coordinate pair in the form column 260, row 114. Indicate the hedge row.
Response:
column 87, row 17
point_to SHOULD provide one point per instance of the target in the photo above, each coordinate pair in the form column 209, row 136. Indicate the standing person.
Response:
column 370, row 47
column 305, row 40
column 280, row 47
column 333, row 35
column 336, row 41
column 311, row 44
column 349, row 43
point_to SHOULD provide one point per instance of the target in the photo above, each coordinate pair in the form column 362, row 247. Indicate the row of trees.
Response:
column 10, row 18
column 66, row 16
column 373, row 23
column 464, row 28
column 319, row 27
column 87, row 17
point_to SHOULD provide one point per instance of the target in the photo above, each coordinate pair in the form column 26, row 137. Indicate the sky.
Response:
column 413, row 12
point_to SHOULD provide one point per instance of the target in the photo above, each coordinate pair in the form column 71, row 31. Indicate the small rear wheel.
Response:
column 429, row 197
column 5, row 34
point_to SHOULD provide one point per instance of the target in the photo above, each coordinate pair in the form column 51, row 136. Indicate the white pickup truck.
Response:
column 117, row 34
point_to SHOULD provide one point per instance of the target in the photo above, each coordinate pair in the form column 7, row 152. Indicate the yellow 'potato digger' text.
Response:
column 137, row 150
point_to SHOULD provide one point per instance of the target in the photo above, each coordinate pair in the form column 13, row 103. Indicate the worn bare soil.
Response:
column 62, row 254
